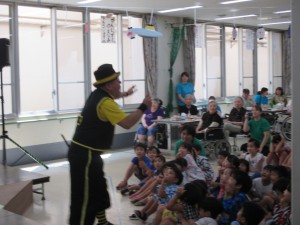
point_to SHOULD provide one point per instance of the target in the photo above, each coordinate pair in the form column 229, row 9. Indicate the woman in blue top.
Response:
column 184, row 88
column 261, row 97
column 148, row 128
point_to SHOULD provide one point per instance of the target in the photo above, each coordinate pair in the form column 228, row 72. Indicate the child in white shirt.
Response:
column 255, row 158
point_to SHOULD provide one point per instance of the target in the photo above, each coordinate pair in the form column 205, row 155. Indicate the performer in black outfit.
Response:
column 94, row 134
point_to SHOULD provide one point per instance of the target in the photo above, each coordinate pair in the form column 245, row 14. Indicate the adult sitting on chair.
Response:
column 209, row 121
column 188, row 108
column 259, row 128
column 235, row 120
column 148, row 128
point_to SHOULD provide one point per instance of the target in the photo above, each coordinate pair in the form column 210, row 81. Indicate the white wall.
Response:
column 163, row 54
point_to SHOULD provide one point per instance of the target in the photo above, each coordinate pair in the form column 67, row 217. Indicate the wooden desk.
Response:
column 176, row 121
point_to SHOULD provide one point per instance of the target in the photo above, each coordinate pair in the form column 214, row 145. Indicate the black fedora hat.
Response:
column 105, row 73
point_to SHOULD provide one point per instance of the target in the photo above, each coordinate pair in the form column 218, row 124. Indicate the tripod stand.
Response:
column 5, row 136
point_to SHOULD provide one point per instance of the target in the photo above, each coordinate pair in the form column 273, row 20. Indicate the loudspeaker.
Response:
column 4, row 52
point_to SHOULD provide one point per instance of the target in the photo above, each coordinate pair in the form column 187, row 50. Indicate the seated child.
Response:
column 236, row 188
column 250, row 214
column 209, row 210
column 273, row 198
column 152, row 153
column 244, row 165
column 224, row 178
column 192, row 171
column 282, row 211
column 255, row 158
column 279, row 150
column 279, row 172
column 203, row 163
column 262, row 185
column 230, row 162
column 183, row 204
column 222, row 155
column 168, row 185
column 138, row 198
column 140, row 166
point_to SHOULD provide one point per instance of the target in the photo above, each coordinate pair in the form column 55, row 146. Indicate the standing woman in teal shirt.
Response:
column 184, row 88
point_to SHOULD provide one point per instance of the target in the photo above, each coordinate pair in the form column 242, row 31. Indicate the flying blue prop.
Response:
column 148, row 31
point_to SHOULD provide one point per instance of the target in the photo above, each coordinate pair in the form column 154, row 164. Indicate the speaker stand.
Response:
column 5, row 136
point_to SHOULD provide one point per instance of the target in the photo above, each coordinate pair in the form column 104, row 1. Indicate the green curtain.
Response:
column 177, row 37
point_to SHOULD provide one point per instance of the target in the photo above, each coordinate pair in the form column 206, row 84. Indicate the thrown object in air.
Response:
column 130, row 34
column 148, row 31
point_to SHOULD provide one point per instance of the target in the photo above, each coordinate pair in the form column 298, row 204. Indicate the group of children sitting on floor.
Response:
column 247, row 191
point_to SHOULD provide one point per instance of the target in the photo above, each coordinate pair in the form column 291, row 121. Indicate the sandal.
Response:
column 119, row 187
column 133, row 217
column 124, row 191
column 141, row 215
column 140, row 203
column 133, row 201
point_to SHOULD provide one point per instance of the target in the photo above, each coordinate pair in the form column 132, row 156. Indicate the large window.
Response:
column 240, row 68
column 200, row 52
column 263, row 72
column 213, row 46
column 70, row 62
column 133, row 62
column 277, row 60
column 247, row 62
column 232, row 62
column 35, row 58
column 102, row 52
column 58, row 51
column 6, row 71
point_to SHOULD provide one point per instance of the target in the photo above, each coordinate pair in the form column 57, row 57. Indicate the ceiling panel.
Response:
column 212, row 9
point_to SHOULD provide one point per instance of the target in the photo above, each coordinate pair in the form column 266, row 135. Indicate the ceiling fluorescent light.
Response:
column 235, row 17
column 88, row 1
column 235, row 1
column 280, row 12
column 180, row 9
column 266, row 24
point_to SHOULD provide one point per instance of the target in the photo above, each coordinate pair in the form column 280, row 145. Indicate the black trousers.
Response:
column 89, row 193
